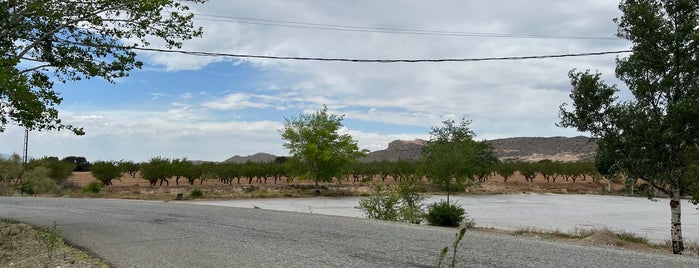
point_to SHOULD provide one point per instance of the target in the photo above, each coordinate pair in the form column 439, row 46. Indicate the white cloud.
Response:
column 238, row 101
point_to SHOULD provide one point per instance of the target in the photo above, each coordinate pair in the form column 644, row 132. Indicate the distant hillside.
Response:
column 257, row 158
column 516, row 149
column 539, row 148
column 397, row 150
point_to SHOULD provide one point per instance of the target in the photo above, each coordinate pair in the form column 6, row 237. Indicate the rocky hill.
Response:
column 539, row 148
column 515, row 149
column 530, row 149
column 257, row 158
column 397, row 150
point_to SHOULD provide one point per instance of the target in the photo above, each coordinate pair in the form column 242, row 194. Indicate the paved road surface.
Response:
column 158, row 234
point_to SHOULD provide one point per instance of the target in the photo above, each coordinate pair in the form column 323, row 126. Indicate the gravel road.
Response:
column 169, row 234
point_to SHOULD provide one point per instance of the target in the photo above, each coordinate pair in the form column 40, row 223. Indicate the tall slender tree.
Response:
column 654, row 135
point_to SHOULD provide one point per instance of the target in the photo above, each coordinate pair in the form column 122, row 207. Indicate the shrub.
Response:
column 380, row 207
column 196, row 193
column 93, row 187
column 38, row 182
column 445, row 214
column 400, row 203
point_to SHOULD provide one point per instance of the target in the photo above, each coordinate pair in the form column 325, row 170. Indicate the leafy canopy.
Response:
column 313, row 140
column 653, row 136
column 42, row 42
column 452, row 156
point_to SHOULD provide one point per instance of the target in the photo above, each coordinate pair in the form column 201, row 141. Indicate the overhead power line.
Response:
column 351, row 28
column 509, row 58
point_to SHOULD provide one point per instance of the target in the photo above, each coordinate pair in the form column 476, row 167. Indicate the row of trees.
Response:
column 162, row 171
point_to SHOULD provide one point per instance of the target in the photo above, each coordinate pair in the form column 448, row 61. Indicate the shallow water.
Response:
column 541, row 211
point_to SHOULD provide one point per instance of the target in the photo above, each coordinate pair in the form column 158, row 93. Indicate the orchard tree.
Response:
column 654, row 135
column 506, row 169
column 43, row 42
column 313, row 140
column 157, row 169
column 129, row 167
column 451, row 156
column 106, row 171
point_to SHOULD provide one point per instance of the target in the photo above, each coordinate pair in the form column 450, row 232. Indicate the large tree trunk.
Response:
column 676, row 219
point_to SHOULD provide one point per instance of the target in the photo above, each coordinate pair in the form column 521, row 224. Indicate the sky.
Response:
column 212, row 108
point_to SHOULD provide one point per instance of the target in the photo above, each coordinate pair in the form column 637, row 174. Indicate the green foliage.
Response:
column 451, row 156
column 653, row 136
column 81, row 163
column 455, row 245
column 445, row 214
column 528, row 170
column 157, row 169
column 506, row 169
column 93, row 187
column 411, row 207
column 75, row 40
column 196, row 193
column 38, row 182
column 382, row 206
column 51, row 239
column 58, row 170
column 129, row 167
column 402, row 203
column 313, row 140
column 11, row 170
column 106, row 171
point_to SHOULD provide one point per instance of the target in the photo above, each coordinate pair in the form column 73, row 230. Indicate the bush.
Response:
column 400, row 203
column 196, row 193
column 38, row 182
column 380, row 207
column 93, row 187
column 445, row 214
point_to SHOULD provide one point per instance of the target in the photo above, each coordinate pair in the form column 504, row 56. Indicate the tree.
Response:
column 73, row 40
column 506, row 169
column 157, row 169
column 81, row 163
column 59, row 171
column 528, row 171
column 106, row 171
column 451, row 156
column 549, row 169
column 314, row 140
column 179, row 168
column 129, row 167
column 654, row 136
column 11, row 169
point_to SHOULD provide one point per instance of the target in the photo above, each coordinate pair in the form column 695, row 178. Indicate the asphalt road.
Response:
column 169, row 234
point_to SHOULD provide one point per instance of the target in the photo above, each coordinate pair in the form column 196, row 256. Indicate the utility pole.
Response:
column 26, row 146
